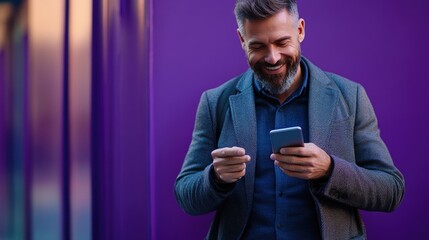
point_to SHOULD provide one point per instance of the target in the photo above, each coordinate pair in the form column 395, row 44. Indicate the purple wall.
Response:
column 382, row 45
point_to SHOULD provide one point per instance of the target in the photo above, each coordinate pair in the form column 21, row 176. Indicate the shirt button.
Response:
column 279, row 226
column 280, row 194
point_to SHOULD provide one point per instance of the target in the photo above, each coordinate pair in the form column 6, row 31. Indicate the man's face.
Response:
column 273, row 49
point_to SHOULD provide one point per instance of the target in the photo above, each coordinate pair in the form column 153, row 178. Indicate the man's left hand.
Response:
column 309, row 162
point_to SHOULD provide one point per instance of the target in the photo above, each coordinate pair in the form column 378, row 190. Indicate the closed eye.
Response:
column 256, row 46
column 283, row 41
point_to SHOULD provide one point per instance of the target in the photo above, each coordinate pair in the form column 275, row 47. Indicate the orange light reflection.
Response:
column 80, row 116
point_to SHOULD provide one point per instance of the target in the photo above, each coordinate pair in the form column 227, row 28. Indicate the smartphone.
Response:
column 286, row 137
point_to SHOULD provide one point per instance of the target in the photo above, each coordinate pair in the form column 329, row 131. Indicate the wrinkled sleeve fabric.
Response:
column 195, row 188
column 370, row 181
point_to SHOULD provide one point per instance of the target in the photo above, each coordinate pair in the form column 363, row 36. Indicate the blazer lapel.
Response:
column 323, row 98
column 243, row 114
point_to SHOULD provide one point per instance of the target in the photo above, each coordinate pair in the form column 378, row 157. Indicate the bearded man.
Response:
column 312, row 191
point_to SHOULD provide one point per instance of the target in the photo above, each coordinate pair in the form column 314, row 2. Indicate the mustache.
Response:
column 284, row 60
column 265, row 64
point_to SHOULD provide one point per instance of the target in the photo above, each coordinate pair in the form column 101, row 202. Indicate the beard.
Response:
column 277, row 84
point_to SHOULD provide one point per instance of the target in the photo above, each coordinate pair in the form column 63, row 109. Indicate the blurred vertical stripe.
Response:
column 46, row 37
column 5, row 13
column 120, row 120
column 13, row 77
column 80, row 39
column 74, row 120
column 3, row 172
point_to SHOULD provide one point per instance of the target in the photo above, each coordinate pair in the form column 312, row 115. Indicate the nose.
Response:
column 273, row 56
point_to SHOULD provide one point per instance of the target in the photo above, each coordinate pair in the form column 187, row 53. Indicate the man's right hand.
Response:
column 229, row 164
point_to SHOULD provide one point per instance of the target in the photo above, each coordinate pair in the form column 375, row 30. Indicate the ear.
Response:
column 240, row 37
column 301, row 30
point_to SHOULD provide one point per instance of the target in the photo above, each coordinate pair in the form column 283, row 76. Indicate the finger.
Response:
column 230, row 168
column 290, row 159
column 292, row 167
column 228, row 152
column 296, row 173
column 231, row 160
column 303, row 172
column 309, row 149
column 294, row 151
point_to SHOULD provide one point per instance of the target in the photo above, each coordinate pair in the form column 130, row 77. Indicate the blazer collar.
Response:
column 246, row 81
column 242, row 106
column 323, row 98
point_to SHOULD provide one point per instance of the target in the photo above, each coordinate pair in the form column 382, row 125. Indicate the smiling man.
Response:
column 313, row 191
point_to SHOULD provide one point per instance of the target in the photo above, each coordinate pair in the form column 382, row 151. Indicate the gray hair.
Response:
column 260, row 9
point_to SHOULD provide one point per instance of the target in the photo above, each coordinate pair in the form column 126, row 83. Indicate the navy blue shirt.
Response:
column 282, row 206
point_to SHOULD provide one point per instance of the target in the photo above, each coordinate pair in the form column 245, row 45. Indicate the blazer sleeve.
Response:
column 195, row 189
column 371, row 181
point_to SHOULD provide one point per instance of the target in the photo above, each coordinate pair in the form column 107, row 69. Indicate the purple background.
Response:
column 380, row 44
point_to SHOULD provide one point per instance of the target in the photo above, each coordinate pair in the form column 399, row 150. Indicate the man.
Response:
column 309, row 192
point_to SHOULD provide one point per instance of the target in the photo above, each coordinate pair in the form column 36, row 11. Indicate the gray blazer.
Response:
column 341, row 121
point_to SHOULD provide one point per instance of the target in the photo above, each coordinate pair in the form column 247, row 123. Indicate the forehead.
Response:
column 277, row 25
